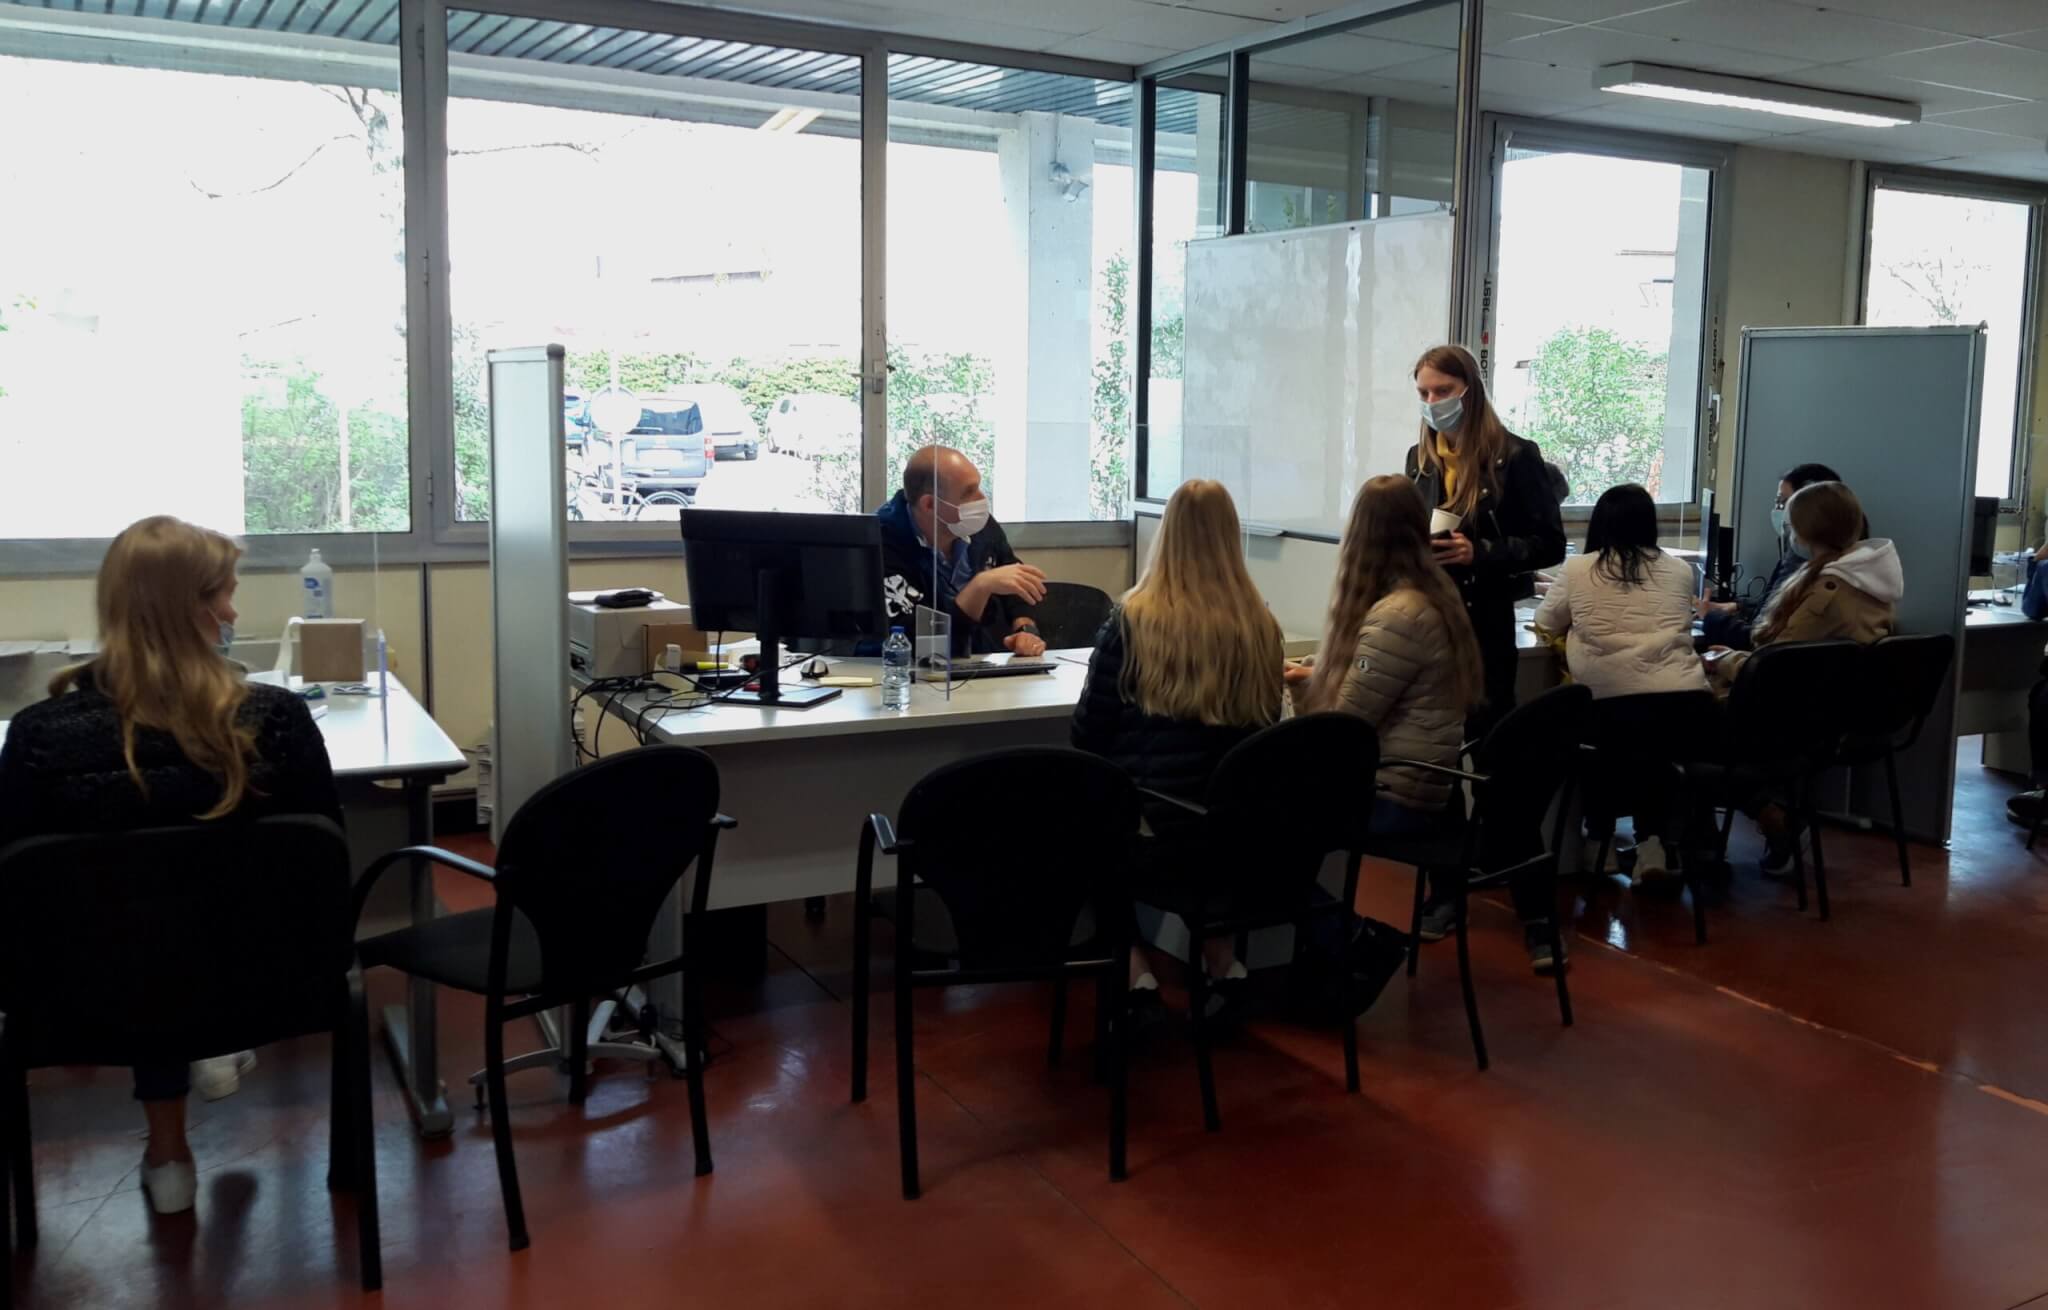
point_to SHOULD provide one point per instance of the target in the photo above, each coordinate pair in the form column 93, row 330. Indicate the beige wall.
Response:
column 61, row 607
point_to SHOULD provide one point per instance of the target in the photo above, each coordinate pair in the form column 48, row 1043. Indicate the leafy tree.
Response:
column 291, row 464
column 1598, row 409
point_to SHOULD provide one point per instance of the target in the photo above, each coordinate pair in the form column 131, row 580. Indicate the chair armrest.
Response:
column 724, row 821
column 885, row 834
column 1182, row 802
column 448, row 859
column 1398, row 762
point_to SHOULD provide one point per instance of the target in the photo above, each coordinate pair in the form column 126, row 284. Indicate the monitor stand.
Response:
column 768, row 675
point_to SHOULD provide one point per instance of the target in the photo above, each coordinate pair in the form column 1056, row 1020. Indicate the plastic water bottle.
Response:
column 316, row 580
column 896, row 671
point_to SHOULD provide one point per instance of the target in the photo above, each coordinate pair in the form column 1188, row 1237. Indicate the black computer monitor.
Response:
column 777, row 575
column 1983, row 535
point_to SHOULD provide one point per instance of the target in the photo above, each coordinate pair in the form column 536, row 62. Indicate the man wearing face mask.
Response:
column 942, row 549
column 1728, row 623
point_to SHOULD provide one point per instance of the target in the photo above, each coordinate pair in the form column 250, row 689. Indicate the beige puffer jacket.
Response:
column 1400, row 682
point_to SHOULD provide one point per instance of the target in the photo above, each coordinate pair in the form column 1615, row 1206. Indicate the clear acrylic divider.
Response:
column 934, row 653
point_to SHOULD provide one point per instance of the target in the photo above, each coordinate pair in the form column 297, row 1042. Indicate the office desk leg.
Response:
column 412, row 1031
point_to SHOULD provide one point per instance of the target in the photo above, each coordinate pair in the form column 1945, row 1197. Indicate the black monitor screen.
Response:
column 824, row 571
column 1983, row 535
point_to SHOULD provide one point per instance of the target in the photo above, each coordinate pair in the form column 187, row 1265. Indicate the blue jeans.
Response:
column 1391, row 817
column 162, row 1082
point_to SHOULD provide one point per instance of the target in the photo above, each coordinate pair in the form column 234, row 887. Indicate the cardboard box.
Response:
column 331, row 650
column 657, row 637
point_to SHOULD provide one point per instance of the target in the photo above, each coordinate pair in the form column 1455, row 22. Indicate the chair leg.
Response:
column 1198, row 1028
column 501, row 1122
column 1820, row 867
column 2034, row 831
column 1696, row 883
column 1057, row 1040
column 1465, row 981
column 863, row 924
column 1350, row 1052
column 1415, row 923
column 1115, row 995
column 906, row 1085
column 363, row 1132
column 1891, row 777
column 21, row 1165
column 1109, row 991
column 579, row 1052
column 696, row 1046
column 1564, row 995
column 1798, row 858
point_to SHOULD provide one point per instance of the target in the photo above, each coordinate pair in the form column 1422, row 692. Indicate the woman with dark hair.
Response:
column 1624, row 608
column 1495, row 519
column 1730, row 623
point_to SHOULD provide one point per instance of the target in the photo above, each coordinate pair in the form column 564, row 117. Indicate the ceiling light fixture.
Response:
column 1690, row 86
column 791, row 121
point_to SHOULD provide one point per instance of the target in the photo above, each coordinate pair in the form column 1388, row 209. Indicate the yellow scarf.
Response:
column 1448, row 458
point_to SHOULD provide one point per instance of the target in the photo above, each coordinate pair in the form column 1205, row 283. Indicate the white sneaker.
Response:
column 172, row 1187
column 221, row 1076
column 1651, row 861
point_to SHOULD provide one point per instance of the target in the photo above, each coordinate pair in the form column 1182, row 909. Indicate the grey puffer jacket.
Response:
column 1401, row 682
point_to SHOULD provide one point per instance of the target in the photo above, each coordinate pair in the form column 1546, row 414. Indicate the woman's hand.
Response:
column 1452, row 550
column 1296, row 671
column 1703, row 607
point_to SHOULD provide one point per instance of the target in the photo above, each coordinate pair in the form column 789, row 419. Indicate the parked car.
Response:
column 669, row 449
column 814, row 423
column 734, row 434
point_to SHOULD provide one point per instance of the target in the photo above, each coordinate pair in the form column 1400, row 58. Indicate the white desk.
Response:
column 416, row 755
column 1999, row 662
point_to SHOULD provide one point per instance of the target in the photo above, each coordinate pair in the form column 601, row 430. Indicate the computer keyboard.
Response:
column 965, row 669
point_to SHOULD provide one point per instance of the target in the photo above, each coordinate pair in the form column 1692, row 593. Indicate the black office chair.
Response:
column 1017, row 906
column 1780, row 729
column 1071, row 614
column 1898, row 681
column 1636, row 766
column 584, row 868
column 1278, row 804
column 1519, row 771
column 168, row 945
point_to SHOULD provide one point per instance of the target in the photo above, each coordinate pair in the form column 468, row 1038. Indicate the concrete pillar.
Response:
column 1688, row 326
column 1044, row 382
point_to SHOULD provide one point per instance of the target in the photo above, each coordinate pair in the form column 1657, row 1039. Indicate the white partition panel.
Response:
column 530, row 742
column 1298, row 351
column 1894, row 411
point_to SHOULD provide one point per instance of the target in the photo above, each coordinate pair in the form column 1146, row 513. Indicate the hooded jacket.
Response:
column 909, row 579
column 1855, row 599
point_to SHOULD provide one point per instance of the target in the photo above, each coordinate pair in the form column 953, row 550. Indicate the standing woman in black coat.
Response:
column 160, row 729
column 1469, row 465
column 1187, row 667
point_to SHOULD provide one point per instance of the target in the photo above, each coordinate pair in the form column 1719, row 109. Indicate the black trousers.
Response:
column 2037, row 727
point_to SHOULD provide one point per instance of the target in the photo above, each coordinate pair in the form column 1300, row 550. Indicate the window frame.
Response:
column 1504, row 131
column 420, row 56
column 1929, row 181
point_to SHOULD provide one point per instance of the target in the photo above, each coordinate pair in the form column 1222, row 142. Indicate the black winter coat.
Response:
column 1173, row 756
column 62, row 771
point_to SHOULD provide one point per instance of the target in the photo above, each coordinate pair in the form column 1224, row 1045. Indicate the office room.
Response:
column 1123, row 653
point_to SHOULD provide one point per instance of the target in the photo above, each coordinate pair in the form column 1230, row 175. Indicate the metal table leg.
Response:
column 412, row 1031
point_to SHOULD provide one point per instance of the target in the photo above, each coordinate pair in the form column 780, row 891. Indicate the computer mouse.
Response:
column 817, row 668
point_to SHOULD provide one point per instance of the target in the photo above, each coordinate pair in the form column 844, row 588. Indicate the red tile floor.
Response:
column 1799, row 1115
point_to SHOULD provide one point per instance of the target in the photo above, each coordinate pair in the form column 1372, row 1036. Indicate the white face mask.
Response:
column 1444, row 415
column 973, row 517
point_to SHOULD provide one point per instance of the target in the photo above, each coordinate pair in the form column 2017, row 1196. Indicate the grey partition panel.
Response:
column 1894, row 411
column 530, row 743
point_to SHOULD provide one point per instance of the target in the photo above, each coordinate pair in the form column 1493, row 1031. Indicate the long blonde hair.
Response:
column 1828, row 520
column 1385, row 550
column 156, row 663
column 1199, row 642
column 1481, row 435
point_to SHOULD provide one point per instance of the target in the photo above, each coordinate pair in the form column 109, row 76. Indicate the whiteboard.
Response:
column 1299, row 349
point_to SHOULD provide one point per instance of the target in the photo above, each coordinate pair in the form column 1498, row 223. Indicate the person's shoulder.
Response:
column 69, row 706
column 1408, row 606
column 265, row 703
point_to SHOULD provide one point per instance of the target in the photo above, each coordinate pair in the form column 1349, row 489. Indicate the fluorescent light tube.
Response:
column 1690, row 86
column 791, row 121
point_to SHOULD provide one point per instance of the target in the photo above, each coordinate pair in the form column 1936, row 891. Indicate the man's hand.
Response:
column 1703, row 607
column 1451, row 550
column 1028, row 644
column 1020, row 580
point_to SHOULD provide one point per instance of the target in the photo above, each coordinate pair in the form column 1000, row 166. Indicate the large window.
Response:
column 685, row 220
column 202, row 300
column 1600, row 314
column 1010, row 229
column 1941, row 254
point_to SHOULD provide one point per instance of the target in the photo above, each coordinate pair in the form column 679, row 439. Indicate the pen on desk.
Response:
column 1072, row 659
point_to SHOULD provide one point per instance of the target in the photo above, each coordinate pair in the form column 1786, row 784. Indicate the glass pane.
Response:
column 1010, row 229
column 684, row 217
column 1354, row 124
column 1945, row 259
column 1600, row 317
column 221, row 258
column 1187, row 205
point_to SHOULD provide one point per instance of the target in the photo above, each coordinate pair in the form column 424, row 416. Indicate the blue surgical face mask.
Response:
column 227, row 636
column 1778, row 521
column 1444, row 415
column 1797, row 547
